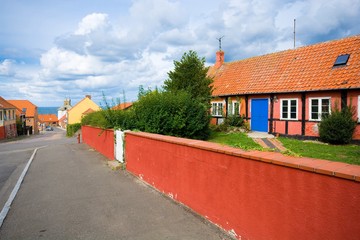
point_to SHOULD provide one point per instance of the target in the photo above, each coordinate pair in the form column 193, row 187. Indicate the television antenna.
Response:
column 219, row 39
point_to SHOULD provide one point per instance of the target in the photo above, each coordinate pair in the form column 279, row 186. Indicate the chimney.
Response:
column 88, row 96
column 219, row 58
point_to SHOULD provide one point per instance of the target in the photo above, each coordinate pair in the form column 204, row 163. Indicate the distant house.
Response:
column 123, row 106
column 85, row 106
column 48, row 119
column 64, row 108
column 288, row 92
column 7, row 119
column 29, row 111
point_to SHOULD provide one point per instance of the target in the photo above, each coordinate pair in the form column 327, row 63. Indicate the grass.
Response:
column 239, row 140
column 339, row 153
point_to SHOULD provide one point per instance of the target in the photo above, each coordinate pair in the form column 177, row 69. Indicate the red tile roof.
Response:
column 122, row 106
column 31, row 109
column 48, row 118
column 5, row 104
column 89, row 110
column 307, row 68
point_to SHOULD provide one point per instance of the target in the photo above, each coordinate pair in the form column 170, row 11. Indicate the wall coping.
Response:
column 319, row 166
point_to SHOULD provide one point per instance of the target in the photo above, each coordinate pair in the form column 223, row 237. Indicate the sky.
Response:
column 56, row 49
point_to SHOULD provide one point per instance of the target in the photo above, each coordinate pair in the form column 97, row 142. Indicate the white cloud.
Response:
column 6, row 67
column 111, row 52
column 92, row 22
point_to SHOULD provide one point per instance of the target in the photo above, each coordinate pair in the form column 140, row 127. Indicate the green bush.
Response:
column 71, row 129
column 338, row 127
column 95, row 119
column 176, row 114
column 234, row 121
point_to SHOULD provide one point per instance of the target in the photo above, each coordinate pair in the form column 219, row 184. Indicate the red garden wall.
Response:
column 99, row 139
column 257, row 195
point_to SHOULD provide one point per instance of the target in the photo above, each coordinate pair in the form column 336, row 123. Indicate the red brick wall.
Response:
column 257, row 195
column 99, row 139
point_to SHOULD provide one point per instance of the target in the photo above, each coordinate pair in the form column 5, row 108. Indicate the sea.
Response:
column 48, row 110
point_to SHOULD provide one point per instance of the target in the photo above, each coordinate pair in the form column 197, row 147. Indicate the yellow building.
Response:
column 86, row 105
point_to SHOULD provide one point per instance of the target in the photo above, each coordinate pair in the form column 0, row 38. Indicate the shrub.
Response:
column 234, row 121
column 95, row 119
column 338, row 127
column 176, row 114
column 71, row 129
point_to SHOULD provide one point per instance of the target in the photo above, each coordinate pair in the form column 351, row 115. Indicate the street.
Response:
column 69, row 192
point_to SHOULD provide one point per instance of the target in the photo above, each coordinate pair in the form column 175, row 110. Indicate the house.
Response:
column 63, row 109
column 85, row 106
column 29, row 111
column 287, row 92
column 48, row 120
column 7, row 119
column 123, row 106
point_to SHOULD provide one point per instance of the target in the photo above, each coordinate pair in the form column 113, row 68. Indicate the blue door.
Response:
column 259, row 115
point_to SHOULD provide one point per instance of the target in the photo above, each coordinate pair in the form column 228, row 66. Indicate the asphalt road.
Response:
column 69, row 192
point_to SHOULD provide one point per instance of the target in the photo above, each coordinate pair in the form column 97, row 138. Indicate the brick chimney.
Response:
column 88, row 96
column 219, row 58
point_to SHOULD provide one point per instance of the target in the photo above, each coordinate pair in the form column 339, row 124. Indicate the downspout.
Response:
column 246, row 107
column 271, row 113
column 303, row 108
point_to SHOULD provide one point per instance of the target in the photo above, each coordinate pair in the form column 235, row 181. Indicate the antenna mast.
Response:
column 219, row 39
column 294, row 32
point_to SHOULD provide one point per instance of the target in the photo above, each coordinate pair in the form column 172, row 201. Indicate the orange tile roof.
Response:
column 31, row 109
column 5, row 104
column 122, row 106
column 89, row 110
column 48, row 118
column 307, row 68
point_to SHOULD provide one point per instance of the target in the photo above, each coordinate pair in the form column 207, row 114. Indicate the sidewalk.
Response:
column 266, row 140
column 69, row 192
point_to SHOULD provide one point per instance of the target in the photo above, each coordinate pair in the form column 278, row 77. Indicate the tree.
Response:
column 190, row 75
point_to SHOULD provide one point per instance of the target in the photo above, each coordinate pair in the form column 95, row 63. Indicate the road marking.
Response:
column 7, row 205
column 15, row 151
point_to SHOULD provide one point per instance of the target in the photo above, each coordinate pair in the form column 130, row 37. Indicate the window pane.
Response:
column 325, row 106
column 314, row 108
column 220, row 109
column 214, row 109
column 285, row 109
column 293, row 109
column 236, row 109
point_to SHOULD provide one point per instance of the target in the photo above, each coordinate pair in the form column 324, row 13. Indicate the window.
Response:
column 342, row 60
column 5, row 118
column 319, row 107
column 289, row 109
column 234, row 108
column 1, row 115
column 217, row 109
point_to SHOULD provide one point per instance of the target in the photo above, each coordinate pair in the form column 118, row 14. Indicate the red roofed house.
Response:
column 29, row 110
column 287, row 92
column 123, row 106
column 48, row 119
column 7, row 119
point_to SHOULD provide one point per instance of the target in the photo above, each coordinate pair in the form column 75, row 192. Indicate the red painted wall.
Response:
column 2, row 132
column 99, row 139
column 254, row 198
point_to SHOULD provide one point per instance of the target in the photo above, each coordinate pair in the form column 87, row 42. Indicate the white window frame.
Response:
column 231, row 108
column 320, row 107
column 289, row 108
column 216, row 113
